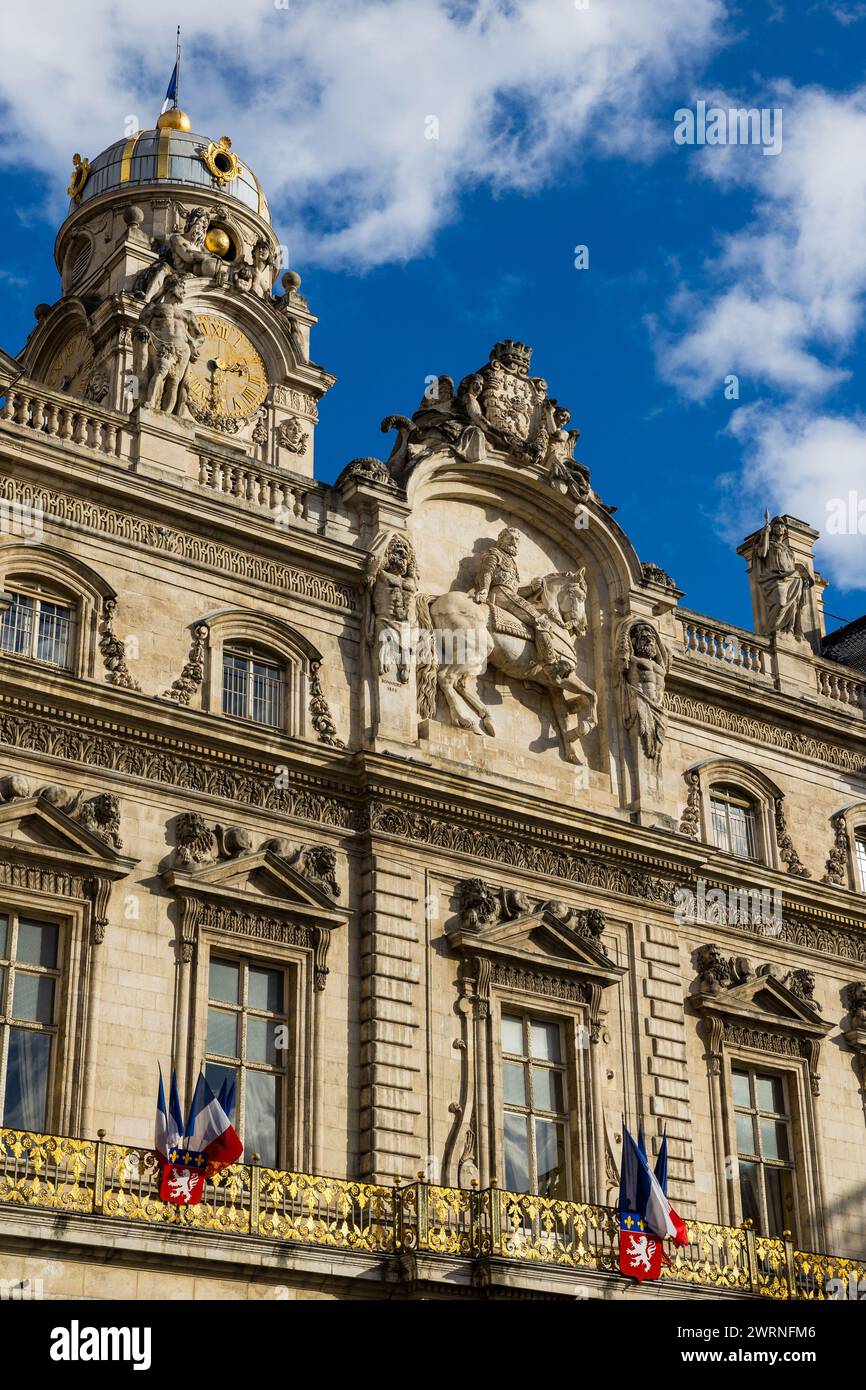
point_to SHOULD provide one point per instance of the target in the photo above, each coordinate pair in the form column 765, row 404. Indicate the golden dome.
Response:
column 174, row 119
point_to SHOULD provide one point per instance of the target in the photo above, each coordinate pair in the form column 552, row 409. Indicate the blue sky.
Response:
column 417, row 255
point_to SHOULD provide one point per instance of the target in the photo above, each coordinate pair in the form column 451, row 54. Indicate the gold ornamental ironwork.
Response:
column 220, row 160
column 85, row 1177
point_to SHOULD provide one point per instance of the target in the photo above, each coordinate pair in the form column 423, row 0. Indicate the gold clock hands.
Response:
column 219, row 364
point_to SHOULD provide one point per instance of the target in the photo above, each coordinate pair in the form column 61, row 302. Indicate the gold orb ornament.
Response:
column 218, row 242
column 174, row 119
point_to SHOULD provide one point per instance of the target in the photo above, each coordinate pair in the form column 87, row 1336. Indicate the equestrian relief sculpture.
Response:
column 526, row 631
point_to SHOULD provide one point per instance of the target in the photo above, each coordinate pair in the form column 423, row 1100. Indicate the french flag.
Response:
column 168, row 1133
column 643, row 1191
column 209, row 1129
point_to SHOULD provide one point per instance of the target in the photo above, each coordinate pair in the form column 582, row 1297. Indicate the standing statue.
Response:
column 528, row 632
column 184, row 253
column 644, row 662
column 392, row 587
column 166, row 340
column 783, row 584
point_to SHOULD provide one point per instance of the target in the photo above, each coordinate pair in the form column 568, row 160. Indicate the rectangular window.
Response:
column 29, row 974
column 733, row 823
column 252, row 689
column 535, row 1120
column 247, row 1046
column 860, row 849
column 764, row 1151
column 37, row 628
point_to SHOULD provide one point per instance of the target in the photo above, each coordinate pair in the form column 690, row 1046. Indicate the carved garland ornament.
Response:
column 113, row 650
column 192, row 675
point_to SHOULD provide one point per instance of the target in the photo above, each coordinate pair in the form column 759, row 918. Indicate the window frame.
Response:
column 39, row 570
column 752, row 786
column 728, row 795
column 530, row 1111
column 241, row 1064
column 755, row 1071
column 40, row 594
column 251, row 653
column 13, row 912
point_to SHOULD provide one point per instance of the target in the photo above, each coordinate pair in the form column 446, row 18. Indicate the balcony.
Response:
column 98, row 1181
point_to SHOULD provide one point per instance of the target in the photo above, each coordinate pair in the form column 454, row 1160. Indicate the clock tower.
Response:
column 176, row 308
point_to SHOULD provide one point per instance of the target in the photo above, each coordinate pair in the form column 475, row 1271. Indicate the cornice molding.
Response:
column 184, row 545
column 459, row 828
column 758, row 730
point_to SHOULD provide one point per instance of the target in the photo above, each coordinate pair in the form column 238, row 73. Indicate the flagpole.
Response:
column 177, row 68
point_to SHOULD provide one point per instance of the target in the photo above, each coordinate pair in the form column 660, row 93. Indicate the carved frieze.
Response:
column 186, row 545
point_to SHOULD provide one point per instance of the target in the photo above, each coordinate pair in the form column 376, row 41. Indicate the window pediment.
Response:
column 502, row 924
column 734, row 987
column 56, row 826
column 757, row 1009
column 261, row 878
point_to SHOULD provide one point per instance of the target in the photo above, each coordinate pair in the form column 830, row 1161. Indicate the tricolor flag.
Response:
column 194, row 1151
column 646, row 1217
column 170, row 92
column 209, row 1129
column 169, row 1123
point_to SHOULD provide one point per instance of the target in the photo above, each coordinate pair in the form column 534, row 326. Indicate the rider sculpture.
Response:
column 497, row 583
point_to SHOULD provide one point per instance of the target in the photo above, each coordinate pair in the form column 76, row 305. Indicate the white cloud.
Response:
column 327, row 100
column 793, row 281
column 811, row 466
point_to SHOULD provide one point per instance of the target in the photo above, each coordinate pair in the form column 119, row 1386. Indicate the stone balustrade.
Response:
column 59, row 416
column 834, row 684
column 265, row 489
column 741, row 651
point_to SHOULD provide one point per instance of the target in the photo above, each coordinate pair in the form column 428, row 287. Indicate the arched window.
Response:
column 737, row 808
column 734, row 821
column 860, row 859
column 50, row 604
column 257, row 668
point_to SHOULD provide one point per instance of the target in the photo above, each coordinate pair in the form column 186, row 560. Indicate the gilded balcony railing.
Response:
column 94, row 1177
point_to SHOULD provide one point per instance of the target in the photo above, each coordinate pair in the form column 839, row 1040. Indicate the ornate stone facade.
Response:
column 442, row 761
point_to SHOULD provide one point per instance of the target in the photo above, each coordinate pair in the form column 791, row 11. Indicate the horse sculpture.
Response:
column 465, row 636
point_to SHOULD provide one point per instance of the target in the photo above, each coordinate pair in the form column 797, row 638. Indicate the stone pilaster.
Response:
column 666, row 1029
column 391, row 1016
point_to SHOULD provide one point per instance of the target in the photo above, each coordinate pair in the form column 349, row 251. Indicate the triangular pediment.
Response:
column 769, row 1000
column 261, row 877
column 32, row 826
column 543, row 938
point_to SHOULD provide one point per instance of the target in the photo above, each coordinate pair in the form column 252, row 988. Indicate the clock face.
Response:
column 228, row 378
column 70, row 370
